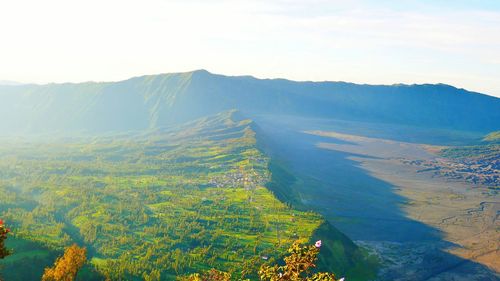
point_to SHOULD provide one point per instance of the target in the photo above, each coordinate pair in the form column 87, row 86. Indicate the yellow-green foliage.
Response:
column 67, row 266
column 161, row 204
column 210, row 275
column 492, row 137
column 4, row 231
column 298, row 265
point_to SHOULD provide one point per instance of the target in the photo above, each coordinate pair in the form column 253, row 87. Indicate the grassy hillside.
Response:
column 492, row 137
column 180, row 200
column 150, row 102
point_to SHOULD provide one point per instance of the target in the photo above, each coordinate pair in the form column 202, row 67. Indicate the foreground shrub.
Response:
column 66, row 267
column 211, row 275
column 3, row 236
column 298, row 267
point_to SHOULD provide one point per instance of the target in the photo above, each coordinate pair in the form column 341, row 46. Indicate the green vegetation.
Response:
column 29, row 256
column 210, row 275
column 150, row 102
column 281, row 183
column 490, row 149
column 160, row 204
column 67, row 266
column 338, row 253
column 3, row 236
column 493, row 137
column 341, row 256
column 299, row 265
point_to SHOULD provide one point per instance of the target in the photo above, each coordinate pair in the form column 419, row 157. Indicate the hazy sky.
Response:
column 377, row 42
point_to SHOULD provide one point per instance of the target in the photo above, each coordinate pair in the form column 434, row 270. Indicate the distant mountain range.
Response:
column 150, row 102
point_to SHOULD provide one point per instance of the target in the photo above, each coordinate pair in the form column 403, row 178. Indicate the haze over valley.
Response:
column 277, row 140
column 240, row 163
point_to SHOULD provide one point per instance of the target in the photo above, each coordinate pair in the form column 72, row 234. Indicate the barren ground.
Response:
column 422, row 227
column 466, row 214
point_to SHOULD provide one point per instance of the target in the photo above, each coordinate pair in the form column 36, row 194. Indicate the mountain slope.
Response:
column 150, row 102
column 493, row 137
column 178, row 201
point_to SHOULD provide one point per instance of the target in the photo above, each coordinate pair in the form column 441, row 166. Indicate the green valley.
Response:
column 167, row 175
column 281, row 140
column 170, row 202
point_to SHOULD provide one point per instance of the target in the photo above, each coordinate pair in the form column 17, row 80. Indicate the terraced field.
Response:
column 166, row 203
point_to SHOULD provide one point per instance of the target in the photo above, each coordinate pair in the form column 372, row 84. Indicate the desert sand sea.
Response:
column 423, row 227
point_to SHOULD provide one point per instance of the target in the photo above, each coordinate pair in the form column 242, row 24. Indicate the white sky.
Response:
column 376, row 42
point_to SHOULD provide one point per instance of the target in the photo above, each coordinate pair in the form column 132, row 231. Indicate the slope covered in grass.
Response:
column 493, row 137
column 178, row 200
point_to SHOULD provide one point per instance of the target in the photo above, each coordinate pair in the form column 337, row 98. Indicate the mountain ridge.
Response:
column 153, row 101
column 204, row 71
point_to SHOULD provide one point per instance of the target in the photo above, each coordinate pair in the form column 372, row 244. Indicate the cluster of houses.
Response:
column 248, row 180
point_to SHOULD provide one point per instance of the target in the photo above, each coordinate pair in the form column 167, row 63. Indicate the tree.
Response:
column 66, row 267
column 211, row 275
column 154, row 275
column 298, row 266
column 3, row 236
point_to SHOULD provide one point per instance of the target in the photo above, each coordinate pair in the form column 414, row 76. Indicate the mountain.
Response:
column 187, row 171
column 150, row 102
